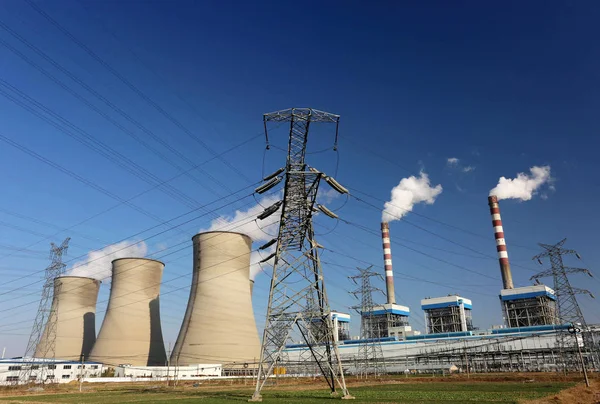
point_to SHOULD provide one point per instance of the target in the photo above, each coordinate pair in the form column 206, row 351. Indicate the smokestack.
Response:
column 387, row 259
column 500, row 243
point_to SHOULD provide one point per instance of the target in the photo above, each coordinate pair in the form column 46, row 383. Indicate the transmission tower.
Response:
column 45, row 317
column 297, row 279
column 370, row 354
column 568, row 311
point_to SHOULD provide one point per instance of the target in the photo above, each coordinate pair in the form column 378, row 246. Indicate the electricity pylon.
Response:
column 45, row 317
column 370, row 354
column 297, row 278
column 568, row 310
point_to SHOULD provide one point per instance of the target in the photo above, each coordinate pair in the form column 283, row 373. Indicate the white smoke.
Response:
column 97, row 265
column 258, row 230
column 256, row 256
column 240, row 221
column 407, row 193
column 525, row 186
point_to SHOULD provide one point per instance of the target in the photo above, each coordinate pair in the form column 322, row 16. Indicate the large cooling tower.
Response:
column 74, row 311
column 131, row 331
column 219, row 326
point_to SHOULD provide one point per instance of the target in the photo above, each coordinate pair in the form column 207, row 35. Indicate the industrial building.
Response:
column 174, row 372
column 448, row 314
column 341, row 325
column 528, row 306
column 74, row 308
column 55, row 371
column 496, row 350
column 131, row 331
column 522, row 307
column 218, row 326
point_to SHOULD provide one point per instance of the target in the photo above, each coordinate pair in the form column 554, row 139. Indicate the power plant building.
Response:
column 74, row 312
column 341, row 325
column 529, row 306
column 218, row 326
column 521, row 307
column 389, row 320
column 131, row 332
column 448, row 314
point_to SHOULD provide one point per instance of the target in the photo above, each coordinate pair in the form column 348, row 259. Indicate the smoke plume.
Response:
column 258, row 230
column 256, row 257
column 97, row 265
column 525, row 186
column 407, row 193
column 240, row 221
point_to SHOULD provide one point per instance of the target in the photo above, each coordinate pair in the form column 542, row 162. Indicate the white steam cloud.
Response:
column 97, row 265
column 407, row 194
column 525, row 186
column 242, row 221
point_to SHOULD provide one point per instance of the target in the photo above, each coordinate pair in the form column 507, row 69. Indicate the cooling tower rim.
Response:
column 223, row 232
column 137, row 259
column 79, row 277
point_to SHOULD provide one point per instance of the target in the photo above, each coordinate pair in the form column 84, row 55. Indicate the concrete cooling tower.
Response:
column 219, row 326
column 131, row 332
column 74, row 304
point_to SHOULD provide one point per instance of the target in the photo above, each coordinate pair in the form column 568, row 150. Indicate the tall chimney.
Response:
column 500, row 243
column 387, row 259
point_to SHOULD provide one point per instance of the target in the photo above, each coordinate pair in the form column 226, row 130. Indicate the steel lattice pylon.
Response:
column 568, row 311
column 45, row 318
column 297, row 299
column 370, row 354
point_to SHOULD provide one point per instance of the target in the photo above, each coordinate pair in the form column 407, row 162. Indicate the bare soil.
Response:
column 579, row 394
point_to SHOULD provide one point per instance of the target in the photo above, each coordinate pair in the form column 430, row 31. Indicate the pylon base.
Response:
column 256, row 398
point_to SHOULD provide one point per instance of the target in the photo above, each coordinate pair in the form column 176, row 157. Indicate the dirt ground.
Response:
column 579, row 394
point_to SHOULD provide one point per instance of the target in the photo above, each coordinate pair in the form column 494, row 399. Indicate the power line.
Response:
column 139, row 194
column 132, row 86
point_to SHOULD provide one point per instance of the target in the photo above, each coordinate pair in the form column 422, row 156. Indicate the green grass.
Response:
column 413, row 393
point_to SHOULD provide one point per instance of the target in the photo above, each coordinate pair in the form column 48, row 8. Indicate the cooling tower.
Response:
column 131, row 331
column 74, row 306
column 219, row 326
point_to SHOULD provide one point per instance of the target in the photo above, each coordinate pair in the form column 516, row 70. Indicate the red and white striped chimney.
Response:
column 387, row 260
column 507, row 281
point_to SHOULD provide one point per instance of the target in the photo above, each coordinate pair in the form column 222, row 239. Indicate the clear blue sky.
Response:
column 500, row 88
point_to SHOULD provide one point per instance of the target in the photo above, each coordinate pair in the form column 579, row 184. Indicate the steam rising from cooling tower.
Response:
column 131, row 332
column 219, row 325
column 407, row 194
column 243, row 221
column 74, row 304
column 97, row 265
column 524, row 186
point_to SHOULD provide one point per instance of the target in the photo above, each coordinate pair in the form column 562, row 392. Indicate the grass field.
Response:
column 422, row 392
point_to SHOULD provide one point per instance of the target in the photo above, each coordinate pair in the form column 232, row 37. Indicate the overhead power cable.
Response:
column 131, row 86
column 162, row 224
column 69, row 229
column 404, row 220
column 104, row 100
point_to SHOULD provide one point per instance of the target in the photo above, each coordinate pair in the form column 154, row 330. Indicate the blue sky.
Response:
column 500, row 88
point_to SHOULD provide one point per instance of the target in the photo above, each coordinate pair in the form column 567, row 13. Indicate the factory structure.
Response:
column 219, row 337
column 527, row 341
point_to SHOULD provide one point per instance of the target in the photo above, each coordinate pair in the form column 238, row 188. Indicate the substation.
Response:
column 302, row 335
